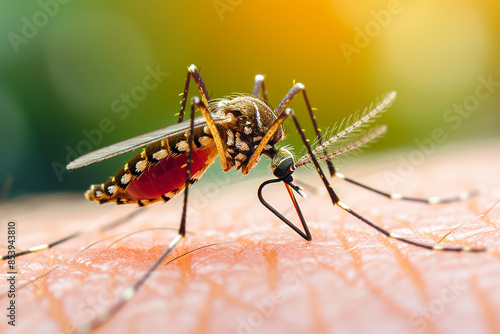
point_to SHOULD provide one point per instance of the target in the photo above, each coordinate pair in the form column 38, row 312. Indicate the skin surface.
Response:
column 349, row 279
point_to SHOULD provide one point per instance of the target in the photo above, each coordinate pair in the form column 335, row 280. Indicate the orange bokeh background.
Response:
column 61, row 72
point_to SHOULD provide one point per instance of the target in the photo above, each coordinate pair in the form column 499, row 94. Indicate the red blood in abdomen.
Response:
column 165, row 176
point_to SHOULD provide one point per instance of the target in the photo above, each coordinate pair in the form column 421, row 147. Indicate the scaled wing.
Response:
column 138, row 142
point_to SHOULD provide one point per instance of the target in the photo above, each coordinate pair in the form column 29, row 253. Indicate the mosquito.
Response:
column 239, row 129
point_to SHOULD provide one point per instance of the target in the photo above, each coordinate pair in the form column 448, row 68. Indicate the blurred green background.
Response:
column 67, row 67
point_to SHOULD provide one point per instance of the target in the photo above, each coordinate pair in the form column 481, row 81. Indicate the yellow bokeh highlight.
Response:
column 66, row 63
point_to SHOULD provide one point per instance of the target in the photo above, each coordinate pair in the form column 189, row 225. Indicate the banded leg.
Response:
column 336, row 201
column 193, row 72
column 343, row 206
column 254, row 158
column 431, row 200
column 203, row 106
column 205, row 99
column 214, row 132
column 259, row 86
column 296, row 89
column 72, row 236
column 184, row 98
column 131, row 291
column 288, row 179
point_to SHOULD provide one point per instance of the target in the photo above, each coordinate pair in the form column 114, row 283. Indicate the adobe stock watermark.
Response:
column 364, row 35
column 94, row 305
column 120, row 108
column 30, row 26
column 266, row 306
column 437, row 306
column 454, row 118
column 206, row 192
column 223, row 6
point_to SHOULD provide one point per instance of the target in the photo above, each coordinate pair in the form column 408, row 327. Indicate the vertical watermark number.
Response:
column 11, row 273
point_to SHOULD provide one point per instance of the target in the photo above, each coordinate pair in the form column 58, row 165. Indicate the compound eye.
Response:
column 284, row 168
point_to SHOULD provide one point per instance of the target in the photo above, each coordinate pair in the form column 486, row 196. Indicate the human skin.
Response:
column 265, row 278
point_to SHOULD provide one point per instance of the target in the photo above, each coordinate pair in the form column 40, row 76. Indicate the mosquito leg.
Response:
column 287, row 180
column 327, row 184
column 203, row 106
column 184, row 98
column 282, row 115
column 254, row 158
column 431, row 200
column 131, row 291
column 193, row 72
column 336, row 201
column 258, row 86
column 182, row 229
column 72, row 236
column 435, row 247
column 296, row 89
column 214, row 132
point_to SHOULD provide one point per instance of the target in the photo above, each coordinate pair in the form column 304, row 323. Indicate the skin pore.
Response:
column 265, row 278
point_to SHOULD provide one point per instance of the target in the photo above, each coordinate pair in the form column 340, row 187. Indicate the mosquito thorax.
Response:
column 283, row 163
column 251, row 119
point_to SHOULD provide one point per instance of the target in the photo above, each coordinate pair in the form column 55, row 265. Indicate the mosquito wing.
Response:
column 138, row 142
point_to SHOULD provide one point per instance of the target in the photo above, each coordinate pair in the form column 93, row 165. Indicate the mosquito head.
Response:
column 283, row 163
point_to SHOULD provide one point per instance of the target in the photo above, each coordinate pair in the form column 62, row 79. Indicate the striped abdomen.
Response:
column 158, row 172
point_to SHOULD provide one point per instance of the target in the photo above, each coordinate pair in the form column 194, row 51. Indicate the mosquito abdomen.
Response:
column 156, row 174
